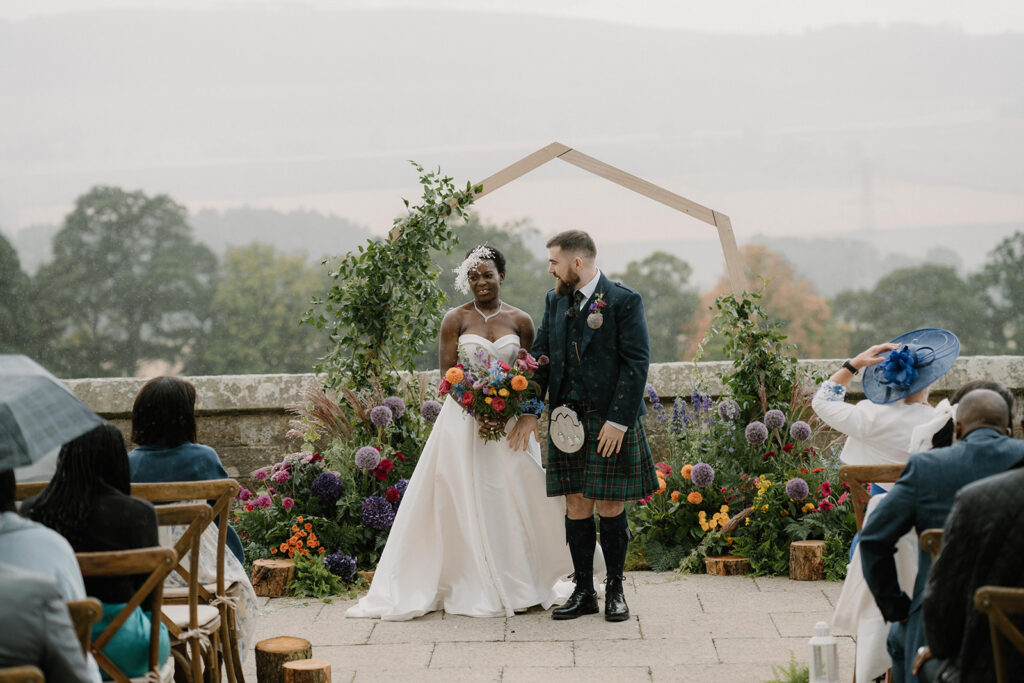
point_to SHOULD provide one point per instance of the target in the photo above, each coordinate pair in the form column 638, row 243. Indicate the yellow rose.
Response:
column 502, row 392
column 488, row 400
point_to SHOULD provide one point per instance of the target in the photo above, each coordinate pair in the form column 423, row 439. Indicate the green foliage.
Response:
column 313, row 579
column 670, row 303
column 386, row 303
column 18, row 322
column 127, row 284
column 908, row 299
column 1001, row 290
column 791, row 673
column 257, row 279
column 764, row 371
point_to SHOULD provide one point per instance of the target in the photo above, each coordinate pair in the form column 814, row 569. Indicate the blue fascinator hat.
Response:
column 924, row 356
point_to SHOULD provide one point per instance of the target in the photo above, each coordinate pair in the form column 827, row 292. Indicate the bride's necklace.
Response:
column 487, row 318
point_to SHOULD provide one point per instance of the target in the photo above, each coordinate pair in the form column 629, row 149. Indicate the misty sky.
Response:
column 794, row 118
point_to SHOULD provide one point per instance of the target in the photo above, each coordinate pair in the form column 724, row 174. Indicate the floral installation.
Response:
column 493, row 391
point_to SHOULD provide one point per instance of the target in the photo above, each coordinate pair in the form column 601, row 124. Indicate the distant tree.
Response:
column 670, row 302
column 18, row 319
column 127, row 284
column 786, row 297
column 255, row 328
column 1000, row 285
column 912, row 298
column 526, row 269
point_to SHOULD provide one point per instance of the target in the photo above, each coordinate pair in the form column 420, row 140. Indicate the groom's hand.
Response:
column 519, row 437
column 609, row 441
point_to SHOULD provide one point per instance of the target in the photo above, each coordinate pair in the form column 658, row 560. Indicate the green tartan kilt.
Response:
column 628, row 475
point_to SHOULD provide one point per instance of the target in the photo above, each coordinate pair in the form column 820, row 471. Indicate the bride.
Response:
column 475, row 534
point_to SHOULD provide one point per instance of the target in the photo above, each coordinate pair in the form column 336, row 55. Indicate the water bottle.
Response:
column 823, row 660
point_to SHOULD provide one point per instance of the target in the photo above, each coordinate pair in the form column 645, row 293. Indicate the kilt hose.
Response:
column 628, row 475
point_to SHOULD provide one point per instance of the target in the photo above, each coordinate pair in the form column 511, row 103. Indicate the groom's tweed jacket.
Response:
column 613, row 359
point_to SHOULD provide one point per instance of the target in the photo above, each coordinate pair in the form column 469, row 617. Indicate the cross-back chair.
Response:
column 84, row 614
column 1000, row 603
column 858, row 476
column 931, row 540
column 221, row 494
column 21, row 674
column 155, row 564
column 194, row 630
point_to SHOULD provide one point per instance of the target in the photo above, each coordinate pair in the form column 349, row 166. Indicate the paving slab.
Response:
column 607, row 674
column 547, row 654
column 463, row 674
column 541, row 627
column 374, row 657
column 795, row 623
column 681, row 651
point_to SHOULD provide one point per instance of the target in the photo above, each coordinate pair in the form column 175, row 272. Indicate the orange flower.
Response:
column 695, row 498
column 519, row 383
column 661, row 485
column 685, row 472
column 307, row 526
column 294, row 528
column 454, row 375
column 300, row 519
column 273, row 551
column 674, row 496
column 284, row 547
column 320, row 550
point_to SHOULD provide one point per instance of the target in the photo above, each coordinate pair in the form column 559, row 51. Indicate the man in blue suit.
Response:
column 595, row 334
column 921, row 499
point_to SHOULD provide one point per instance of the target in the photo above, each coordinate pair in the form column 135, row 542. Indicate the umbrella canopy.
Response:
column 37, row 412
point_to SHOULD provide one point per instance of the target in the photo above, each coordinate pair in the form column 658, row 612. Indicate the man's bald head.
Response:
column 981, row 408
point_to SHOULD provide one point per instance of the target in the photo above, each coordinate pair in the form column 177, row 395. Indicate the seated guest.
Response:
column 36, row 629
column 920, row 500
column 88, row 503
column 164, row 427
column 982, row 544
column 938, row 433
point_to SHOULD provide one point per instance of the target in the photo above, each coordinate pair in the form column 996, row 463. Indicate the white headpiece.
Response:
column 472, row 262
column 921, row 437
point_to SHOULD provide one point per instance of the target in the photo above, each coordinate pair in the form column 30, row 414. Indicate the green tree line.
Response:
column 130, row 289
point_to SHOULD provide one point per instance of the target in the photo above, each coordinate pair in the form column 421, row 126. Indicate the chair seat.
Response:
column 176, row 593
column 166, row 673
column 209, row 617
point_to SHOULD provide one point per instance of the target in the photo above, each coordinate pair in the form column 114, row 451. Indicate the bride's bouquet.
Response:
column 492, row 391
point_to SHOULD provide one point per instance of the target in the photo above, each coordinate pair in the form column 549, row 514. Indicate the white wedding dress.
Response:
column 475, row 533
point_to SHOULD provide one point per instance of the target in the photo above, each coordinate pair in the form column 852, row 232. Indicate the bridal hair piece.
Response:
column 472, row 262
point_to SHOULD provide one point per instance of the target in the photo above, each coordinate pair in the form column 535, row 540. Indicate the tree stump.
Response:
column 367, row 575
column 270, row 578
column 273, row 653
column 727, row 565
column 806, row 560
column 307, row 671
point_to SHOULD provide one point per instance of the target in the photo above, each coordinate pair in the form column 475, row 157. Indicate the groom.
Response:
column 595, row 334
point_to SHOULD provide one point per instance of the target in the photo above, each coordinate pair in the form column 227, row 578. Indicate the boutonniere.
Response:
column 595, row 319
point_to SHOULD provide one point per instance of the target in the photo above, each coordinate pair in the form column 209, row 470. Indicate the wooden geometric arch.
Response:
column 556, row 150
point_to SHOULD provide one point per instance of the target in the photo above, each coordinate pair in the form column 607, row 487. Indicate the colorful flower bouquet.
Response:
column 492, row 391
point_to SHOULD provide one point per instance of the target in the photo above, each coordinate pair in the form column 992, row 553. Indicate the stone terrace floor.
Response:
column 682, row 628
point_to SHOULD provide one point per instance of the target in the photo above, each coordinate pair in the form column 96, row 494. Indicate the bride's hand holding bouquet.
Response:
column 492, row 391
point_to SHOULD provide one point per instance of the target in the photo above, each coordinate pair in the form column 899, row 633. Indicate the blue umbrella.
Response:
column 37, row 412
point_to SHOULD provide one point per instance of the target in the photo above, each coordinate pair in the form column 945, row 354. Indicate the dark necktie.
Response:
column 577, row 298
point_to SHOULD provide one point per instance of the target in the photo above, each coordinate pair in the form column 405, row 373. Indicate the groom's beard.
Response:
column 566, row 287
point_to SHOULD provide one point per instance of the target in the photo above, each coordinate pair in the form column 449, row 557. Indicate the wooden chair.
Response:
column 1000, row 603
column 221, row 493
column 21, row 674
column 193, row 630
column 84, row 614
column 156, row 564
column 931, row 540
column 857, row 476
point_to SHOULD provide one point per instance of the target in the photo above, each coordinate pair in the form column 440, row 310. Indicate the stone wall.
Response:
column 244, row 417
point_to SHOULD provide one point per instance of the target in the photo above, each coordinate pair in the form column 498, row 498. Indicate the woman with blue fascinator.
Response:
column 897, row 377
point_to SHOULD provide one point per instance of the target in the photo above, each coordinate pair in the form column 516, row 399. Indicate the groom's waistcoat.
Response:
column 607, row 364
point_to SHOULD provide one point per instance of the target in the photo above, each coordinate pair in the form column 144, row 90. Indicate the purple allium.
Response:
column 381, row 416
column 756, row 433
column 396, row 405
column 378, row 513
column 797, row 489
column 244, row 494
column 774, row 419
column 728, row 409
column 341, row 565
column 328, row 487
column 800, row 431
column 262, row 501
column 430, row 410
column 367, row 457
column 287, row 503
column 260, row 474
column 702, row 474
column 401, row 485
column 281, row 477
